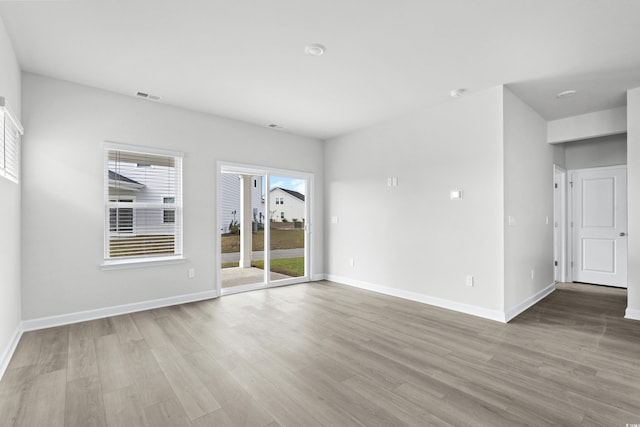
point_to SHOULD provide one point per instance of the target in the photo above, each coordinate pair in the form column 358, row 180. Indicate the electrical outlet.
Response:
column 469, row 281
column 192, row 273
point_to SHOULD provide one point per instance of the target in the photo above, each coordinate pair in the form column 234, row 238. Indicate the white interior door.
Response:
column 599, row 200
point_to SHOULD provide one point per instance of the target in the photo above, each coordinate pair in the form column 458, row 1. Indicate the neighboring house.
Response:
column 230, row 200
column 141, row 183
column 286, row 204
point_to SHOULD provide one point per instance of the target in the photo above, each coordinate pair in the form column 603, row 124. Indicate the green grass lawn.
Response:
column 280, row 239
column 293, row 267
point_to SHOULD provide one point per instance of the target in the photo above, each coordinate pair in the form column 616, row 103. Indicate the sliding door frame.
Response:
column 267, row 173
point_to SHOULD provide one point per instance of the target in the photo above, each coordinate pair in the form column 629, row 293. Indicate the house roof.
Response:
column 293, row 193
column 113, row 176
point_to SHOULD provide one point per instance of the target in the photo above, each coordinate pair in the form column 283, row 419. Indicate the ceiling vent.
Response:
column 147, row 96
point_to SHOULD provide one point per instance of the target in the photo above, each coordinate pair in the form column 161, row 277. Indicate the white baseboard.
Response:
column 533, row 299
column 11, row 348
column 414, row 296
column 82, row 316
column 632, row 314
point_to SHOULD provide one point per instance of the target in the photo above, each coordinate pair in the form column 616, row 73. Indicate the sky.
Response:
column 289, row 183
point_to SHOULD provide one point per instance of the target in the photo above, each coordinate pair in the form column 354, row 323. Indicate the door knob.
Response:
column 622, row 234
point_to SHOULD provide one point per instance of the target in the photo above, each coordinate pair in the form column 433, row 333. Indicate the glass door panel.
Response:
column 241, row 224
column 287, row 225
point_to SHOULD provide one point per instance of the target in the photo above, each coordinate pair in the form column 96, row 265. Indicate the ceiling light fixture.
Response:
column 566, row 93
column 457, row 93
column 315, row 49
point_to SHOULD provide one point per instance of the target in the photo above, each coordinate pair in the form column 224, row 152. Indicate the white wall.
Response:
column 10, row 315
column 633, row 190
column 596, row 152
column 63, row 188
column 590, row 125
column 528, row 200
column 413, row 238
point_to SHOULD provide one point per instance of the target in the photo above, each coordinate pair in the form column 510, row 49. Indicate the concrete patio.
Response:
column 236, row 276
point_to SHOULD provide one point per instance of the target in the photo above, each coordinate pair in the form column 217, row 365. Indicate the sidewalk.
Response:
column 259, row 255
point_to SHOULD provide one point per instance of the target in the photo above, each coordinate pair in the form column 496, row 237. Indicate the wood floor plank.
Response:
column 124, row 409
column 126, row 328
column 150, row 330
column 82, row 360
column 102, row 327
column 148, row 379
column 178, row 336
column 408, row 412
column 84, row 403
column 185, row 382
column 238, row 405
column 112, row 364
column 47, row 348
column 278, row 402
column 167, row 414
column 295, row 389
column 44, row 402
column 217, row 418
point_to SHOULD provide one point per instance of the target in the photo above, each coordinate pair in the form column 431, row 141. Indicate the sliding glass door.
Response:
column 263, row 218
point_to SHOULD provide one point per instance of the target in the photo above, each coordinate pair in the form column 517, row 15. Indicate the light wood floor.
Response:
column 323, row 354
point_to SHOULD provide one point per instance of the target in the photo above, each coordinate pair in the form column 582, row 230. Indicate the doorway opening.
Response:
column 264, row 233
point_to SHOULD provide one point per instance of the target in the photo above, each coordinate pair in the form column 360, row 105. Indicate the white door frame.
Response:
column 560, row 248
column 267, row 172
column 570, row 212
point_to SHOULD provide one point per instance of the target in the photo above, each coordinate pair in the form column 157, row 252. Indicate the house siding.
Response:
column 292, row 207
column 230, row 199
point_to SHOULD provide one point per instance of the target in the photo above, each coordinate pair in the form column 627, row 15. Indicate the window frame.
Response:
column 177, row 231
column 10, row 123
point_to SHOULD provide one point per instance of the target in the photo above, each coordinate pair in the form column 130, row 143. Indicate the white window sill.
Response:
column 141, row 262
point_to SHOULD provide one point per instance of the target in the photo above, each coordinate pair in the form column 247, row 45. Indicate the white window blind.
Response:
column 10, row 131
column 143, row 203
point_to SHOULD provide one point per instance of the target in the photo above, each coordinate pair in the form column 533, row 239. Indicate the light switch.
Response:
column 456, row 194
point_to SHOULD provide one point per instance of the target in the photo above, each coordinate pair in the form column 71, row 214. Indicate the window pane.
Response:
column 150, row 184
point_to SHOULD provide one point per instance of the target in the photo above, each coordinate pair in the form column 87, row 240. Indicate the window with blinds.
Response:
column 10, row 131
column 143, row 203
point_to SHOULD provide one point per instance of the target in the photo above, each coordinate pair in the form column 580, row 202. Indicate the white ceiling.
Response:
column 245, row 59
